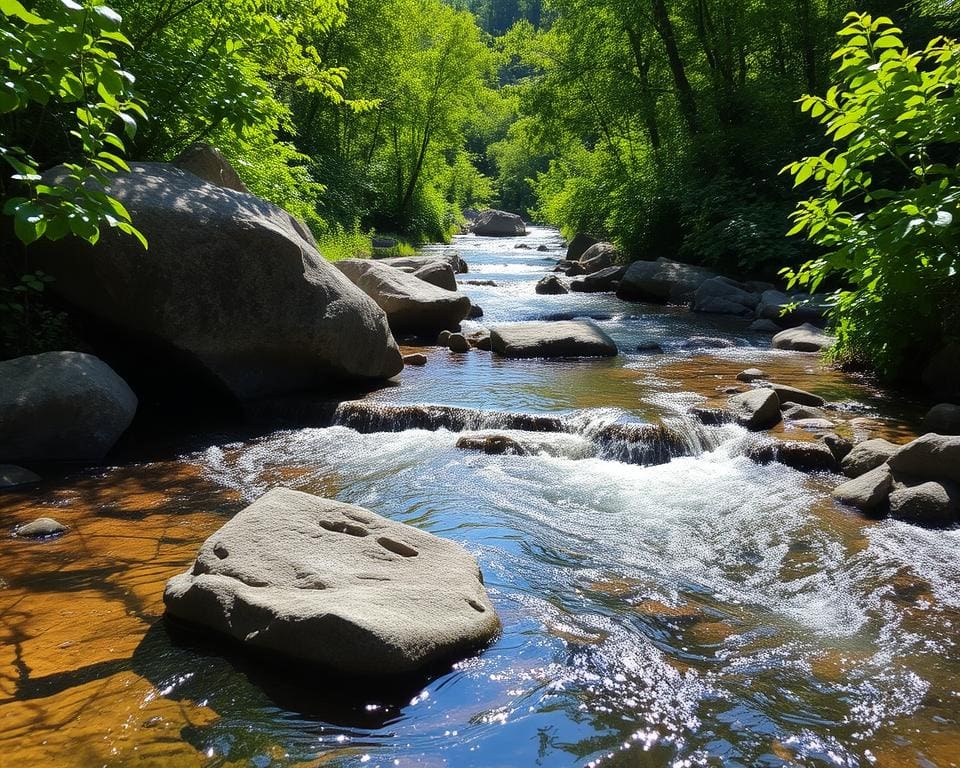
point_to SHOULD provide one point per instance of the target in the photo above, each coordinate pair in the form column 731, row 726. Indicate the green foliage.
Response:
column 65, row 64
column 887, row 194
column 27, row 325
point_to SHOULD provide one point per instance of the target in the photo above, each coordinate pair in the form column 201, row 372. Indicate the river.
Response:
column 705, row 611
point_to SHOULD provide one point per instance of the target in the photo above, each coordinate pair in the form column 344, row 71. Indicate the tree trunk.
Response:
column 688, row 103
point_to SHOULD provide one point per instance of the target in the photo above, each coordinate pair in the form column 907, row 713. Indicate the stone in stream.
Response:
column 802, row 412
column 231, row 294
column 649, row 347
column 492, row 445
column 599, row 256
column 803, row 338
column 707, row 342
column 575, row 270
column 723, row 296
column 458, row 343
column 61, row 406
column 480, row 340
column 756, row 410
column 543, row 248
column 335, row 585
column 571, row 338
column 476, row 312
column 493, row 223
column 598, row 282
column 579, row 246
column 931, row 504
column 443, row 338
column 868, row 455
column 369, row 417
column 869, row 492
column 751, row 374
column 814, row 425
column 438, row 273
column 942, row 419
column 801, row 455
column 411, row 304
column 481, row 283
column 794, row 395
column 662, row 281
column 418, row 359
column 41, row 528
column 414, row 263
column 12, row 476
column 764, row 326
column 840, row 447
column 551, row 286
column 809, row 309
column 933, row 457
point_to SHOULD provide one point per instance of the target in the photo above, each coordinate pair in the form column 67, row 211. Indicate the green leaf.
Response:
column 14, row 8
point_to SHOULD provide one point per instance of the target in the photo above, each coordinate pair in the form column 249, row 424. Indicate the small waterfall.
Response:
column 366, row 417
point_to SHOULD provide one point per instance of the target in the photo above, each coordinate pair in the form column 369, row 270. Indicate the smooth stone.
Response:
column 707, row 342
column 41, row 528
column 598, row 257
column 803, row 338
column 458, row 343
column 335, row 585
column 438, row 273
column 942, row 419
column 209, row 164
column 840, row 447
column 931, row 504
column 566, row 338
column 411, row 304
column 803, row 412
column 415, row 263
column 492, row 445
column 662, row 281
column 794, row 395
column 601, row 281
column 806, row 456
column 869, row 492
column 723, row 296
column 493, row 223
column 61, row 406
column 579, row 246
column 480, row 340
column 756, row 410
column 12, row 476
column 551, row 286
column 751, row 374
column 542, row 249
column 809, row 309
column 418, row 359
column 814, row 425
column 933, row 457
column 868, row 455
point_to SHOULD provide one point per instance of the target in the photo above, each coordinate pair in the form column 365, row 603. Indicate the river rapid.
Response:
column 704, row 611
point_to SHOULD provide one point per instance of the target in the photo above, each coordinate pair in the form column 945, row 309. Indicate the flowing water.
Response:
column 703, row 610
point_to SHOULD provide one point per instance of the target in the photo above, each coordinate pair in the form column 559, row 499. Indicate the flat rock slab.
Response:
column 565, row 338
column 803, row 338
column 335, row 585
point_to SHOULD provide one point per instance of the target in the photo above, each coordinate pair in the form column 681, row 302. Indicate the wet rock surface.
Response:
column 568, row 338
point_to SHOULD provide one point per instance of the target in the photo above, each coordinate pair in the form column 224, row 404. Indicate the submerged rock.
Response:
column 571, row 338
column 869, row 492
column 12, row 476
column 492, row 223
column 411, row 304
column 801, row 412
column 61, row 406
column 41, row 528
column 803, row 338
column 868, row 455
column 335, row 585
column 757, row 409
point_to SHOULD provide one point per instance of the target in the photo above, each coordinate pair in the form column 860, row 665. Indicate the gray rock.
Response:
column 551, row 286
column 481, row 340
column 868, row 455
column 411, row 305
column 662, row 281
column 599, row 256
column 751, row 374
column 443, row 338
column 476, row 312
column 209, row 164
column 809, row 309
column 805, row 456
column 492, row 223
column 933, row 457
column 458, row 343
column 722, row 296
column 803, row 338
column 941, row 377
column 41, row 528
column 570, row 338
column 814, row 425
column 579, row 245
column 543, row 249
column 413, row 263
column 438, row 273
column 335, row 585
column 707, row 342
column 794, row 395
column 800, row 412
column 868, row 492
column 764, row 326
column 598, row 282
column 649, row 347
column 417, row 359
column 61, row 406
column 231, row 285
column 931, row 504
column 575, row 270
column 755, row 410
column 942, row 419
column 840, row 447
column 12, row 476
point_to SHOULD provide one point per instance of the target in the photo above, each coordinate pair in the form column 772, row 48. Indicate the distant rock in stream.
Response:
column 41, row 528
column 803, row 338
column 570, row 338
column 337, row 586
column 493, row 223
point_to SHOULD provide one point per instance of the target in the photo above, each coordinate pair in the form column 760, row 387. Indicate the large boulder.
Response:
column 798, row 396
column 931, row 504
column 413, row 263
column 335, row 585
column 579, row 246
column 492, row 223
column 210, row 165
column 868, row 492
column 803, row 338
column 662, row 281
column 438, row 273
column 231, row 291
column 412, row 305
column 599, row 256
column 933, row 457
column 723, row 296
column 943, row 419
column 598, row 282
column 868, row 455
column 61, row 406
column 565, row 338
column 551, row 285
column 756, row 409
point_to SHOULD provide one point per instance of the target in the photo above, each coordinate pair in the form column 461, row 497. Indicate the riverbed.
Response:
column 705, row 611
